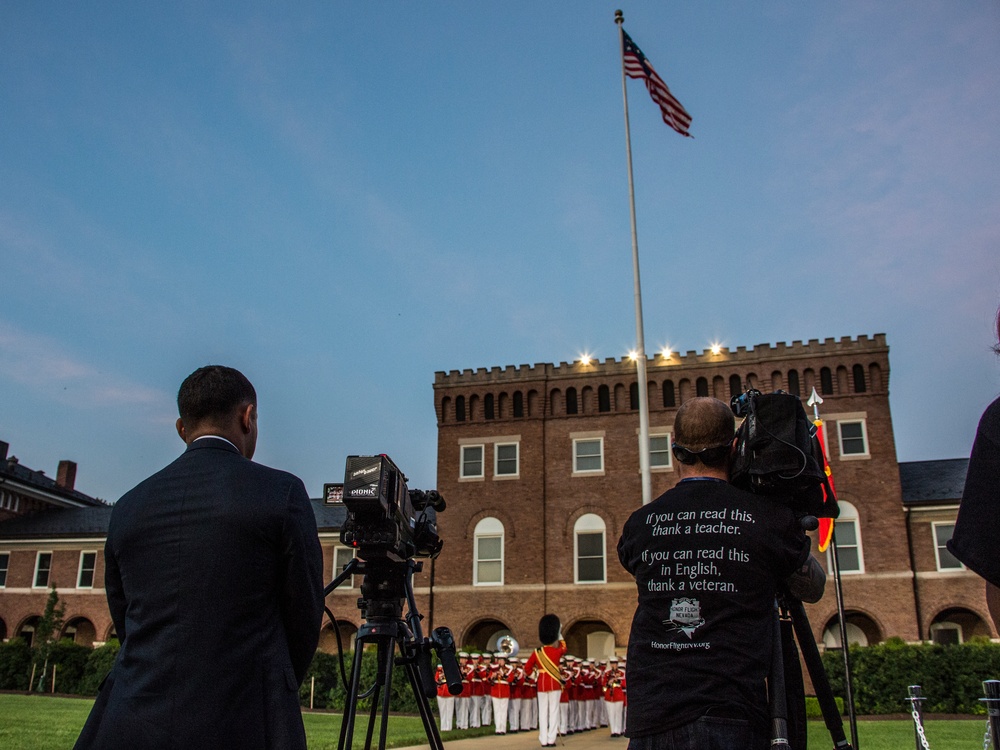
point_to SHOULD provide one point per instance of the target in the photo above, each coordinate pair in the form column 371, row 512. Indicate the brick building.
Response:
column 540, row 468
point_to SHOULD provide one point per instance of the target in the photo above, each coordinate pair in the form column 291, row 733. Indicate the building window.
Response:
column 85, row 578
column 701, row 387
column 460, row 409
column 43, row 565
column 518, row 404
column 506, row 460
column 488, row 407
column 660, row 456
column 472, row 462
column 588, row 535
column 572, row 405
column 669, row 398
column 488, row 570
column 826, row 381
column 342, row 556
column 946, row 633
column 853, row 438
column 945, row 560
column 793, row 383
column 859, row 379
column 603, row 398
column 847, row 533
column 588, row 455
column 4, row 564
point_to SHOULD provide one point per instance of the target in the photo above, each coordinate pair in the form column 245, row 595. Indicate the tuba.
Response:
column 508, row 646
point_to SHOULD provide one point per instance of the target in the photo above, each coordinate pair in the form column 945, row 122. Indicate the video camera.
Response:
column 778, row 452
column 385, row 519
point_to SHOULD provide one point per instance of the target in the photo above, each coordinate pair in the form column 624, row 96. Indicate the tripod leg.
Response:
column 423, row 705
column 821, row 684
column 776, row 690
column 351, row 701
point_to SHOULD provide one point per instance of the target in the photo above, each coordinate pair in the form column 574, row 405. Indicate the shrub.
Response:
column 327, row 673
column 950, row 677
column 99, row 663
column 15, row 665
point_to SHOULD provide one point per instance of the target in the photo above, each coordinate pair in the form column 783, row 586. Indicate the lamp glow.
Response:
column 716, row 349
column 633, row 355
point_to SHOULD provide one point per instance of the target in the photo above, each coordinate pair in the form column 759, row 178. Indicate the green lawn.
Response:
column 45, row 723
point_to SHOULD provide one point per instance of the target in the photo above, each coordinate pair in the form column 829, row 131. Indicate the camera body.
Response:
column 385, row 519
column 778, row 453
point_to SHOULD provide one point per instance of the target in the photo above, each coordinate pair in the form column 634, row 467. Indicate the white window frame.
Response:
column 338, row 568
column 947, row 625
column 482, row 461
column 48, row 571
column 590, row 523
column 81, row 568
column 669, row 466
column 937, row 548
column 488, row 528
column 864, row 438
column 577, row 441
column 848, row 514
column 4, row 568
column 516, row 474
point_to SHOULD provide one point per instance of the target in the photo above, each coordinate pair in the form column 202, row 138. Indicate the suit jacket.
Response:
column 215, row 583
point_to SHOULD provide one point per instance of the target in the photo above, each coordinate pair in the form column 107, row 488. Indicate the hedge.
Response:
column 950, row 677
column 79, row 669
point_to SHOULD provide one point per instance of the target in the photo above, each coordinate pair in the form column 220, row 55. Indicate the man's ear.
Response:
column 247, row 418
column 180, row 430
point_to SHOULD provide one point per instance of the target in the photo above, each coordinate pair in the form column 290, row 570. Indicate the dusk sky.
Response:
column 342, row 199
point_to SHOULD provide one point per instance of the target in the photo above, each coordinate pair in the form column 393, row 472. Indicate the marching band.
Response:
column 496, row 690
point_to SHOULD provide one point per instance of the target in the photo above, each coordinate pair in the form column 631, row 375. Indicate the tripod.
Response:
column 385, row 585
column 788, row 725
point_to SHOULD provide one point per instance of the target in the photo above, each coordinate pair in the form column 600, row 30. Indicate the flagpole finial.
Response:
column 619, row 17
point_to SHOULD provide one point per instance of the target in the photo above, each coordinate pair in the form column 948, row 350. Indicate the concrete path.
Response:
column 597, row 739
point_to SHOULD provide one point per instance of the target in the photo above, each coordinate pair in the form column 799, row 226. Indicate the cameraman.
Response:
column 708, row 559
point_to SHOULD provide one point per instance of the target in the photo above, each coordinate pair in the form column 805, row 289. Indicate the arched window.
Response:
column 488, row 407
column 588, row 549
column 793, row 383
column 859, row 379
column 701, row 387
column 826, row 381
column 735, row 385
column 572, row 407
column 669, row 400
column 488, row 570
column 847, row 532
column 633, row 396
column 518, row 404
column 603, row 398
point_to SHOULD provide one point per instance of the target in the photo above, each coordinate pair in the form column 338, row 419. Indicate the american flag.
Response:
column 637, row 66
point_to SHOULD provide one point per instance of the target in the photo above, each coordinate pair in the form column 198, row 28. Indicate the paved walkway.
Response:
column 597, row 739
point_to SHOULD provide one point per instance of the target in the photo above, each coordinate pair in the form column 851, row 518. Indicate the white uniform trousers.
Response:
column 616, row 716
column 500, row 714
column 462, row 711
column 548, row 716
column 446, row 710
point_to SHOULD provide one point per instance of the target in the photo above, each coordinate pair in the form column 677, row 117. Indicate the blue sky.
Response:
column 342, row 199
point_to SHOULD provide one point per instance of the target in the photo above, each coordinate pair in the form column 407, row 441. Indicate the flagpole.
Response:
column 640, row 343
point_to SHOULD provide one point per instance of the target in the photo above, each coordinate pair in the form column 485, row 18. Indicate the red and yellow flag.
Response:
column 825, row 524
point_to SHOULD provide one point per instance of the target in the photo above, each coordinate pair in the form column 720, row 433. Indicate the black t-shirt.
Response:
column 977, row 529
column 707, row 559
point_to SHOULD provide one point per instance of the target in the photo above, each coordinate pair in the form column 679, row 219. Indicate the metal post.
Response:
column 916, row 711
column 991, row 688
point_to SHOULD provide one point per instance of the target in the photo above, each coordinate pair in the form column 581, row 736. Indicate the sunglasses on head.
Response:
column 708, row 456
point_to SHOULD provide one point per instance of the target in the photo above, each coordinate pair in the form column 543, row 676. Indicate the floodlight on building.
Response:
column 586, row 359
column 716, row 349
column 666, row 353
column 633, row 355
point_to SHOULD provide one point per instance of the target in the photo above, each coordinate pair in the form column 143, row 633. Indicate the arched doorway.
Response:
column 590, row 639
column 27, row 630
column 861, row 631
column 483, row 636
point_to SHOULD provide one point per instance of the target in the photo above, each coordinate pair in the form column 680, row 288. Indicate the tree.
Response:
column 48, row 626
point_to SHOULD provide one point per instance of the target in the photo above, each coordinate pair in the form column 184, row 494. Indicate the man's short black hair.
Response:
column 213, row 392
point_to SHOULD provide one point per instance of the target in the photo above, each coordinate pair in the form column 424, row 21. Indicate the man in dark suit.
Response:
column 214, row 581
